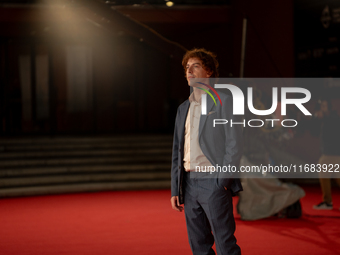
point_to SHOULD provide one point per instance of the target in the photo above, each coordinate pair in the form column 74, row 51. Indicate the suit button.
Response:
column 179, row 167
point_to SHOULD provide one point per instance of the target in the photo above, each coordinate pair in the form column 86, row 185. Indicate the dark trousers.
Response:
column 209, row 216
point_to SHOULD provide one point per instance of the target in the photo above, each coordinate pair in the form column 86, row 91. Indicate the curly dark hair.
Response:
column 208, row 59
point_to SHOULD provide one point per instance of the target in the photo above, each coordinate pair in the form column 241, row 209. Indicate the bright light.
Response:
column 169, row 3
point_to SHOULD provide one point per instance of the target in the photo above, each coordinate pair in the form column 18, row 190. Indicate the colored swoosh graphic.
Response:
column 213, row 91
column 209, row 94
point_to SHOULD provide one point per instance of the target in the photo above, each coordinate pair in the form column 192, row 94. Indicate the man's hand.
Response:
column 175, row 204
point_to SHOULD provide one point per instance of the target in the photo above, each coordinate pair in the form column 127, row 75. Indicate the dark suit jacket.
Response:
column 222, row 144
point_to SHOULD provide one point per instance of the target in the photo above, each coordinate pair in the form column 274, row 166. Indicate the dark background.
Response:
column 109, row 67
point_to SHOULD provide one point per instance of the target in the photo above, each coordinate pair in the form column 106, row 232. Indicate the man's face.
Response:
column 194, row 69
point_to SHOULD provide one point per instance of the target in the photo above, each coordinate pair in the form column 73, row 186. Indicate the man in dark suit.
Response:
column 206, row 195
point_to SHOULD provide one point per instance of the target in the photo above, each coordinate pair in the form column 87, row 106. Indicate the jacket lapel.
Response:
column 203, row 118
column 183, row 118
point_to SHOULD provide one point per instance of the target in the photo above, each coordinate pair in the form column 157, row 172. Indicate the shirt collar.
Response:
column 192, row 98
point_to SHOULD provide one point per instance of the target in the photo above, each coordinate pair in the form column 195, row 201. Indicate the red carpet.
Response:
column 142, row 222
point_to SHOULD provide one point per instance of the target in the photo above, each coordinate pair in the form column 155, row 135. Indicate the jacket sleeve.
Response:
column 174, row 163
column 233, row 141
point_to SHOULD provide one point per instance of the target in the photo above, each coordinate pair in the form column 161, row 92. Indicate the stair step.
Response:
column 44, row 165
column 62, row 179
column 86, row 140
column 90, row 153
column 87, row 187
column 83, row 146
column 82, row 161
column 83, row 169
